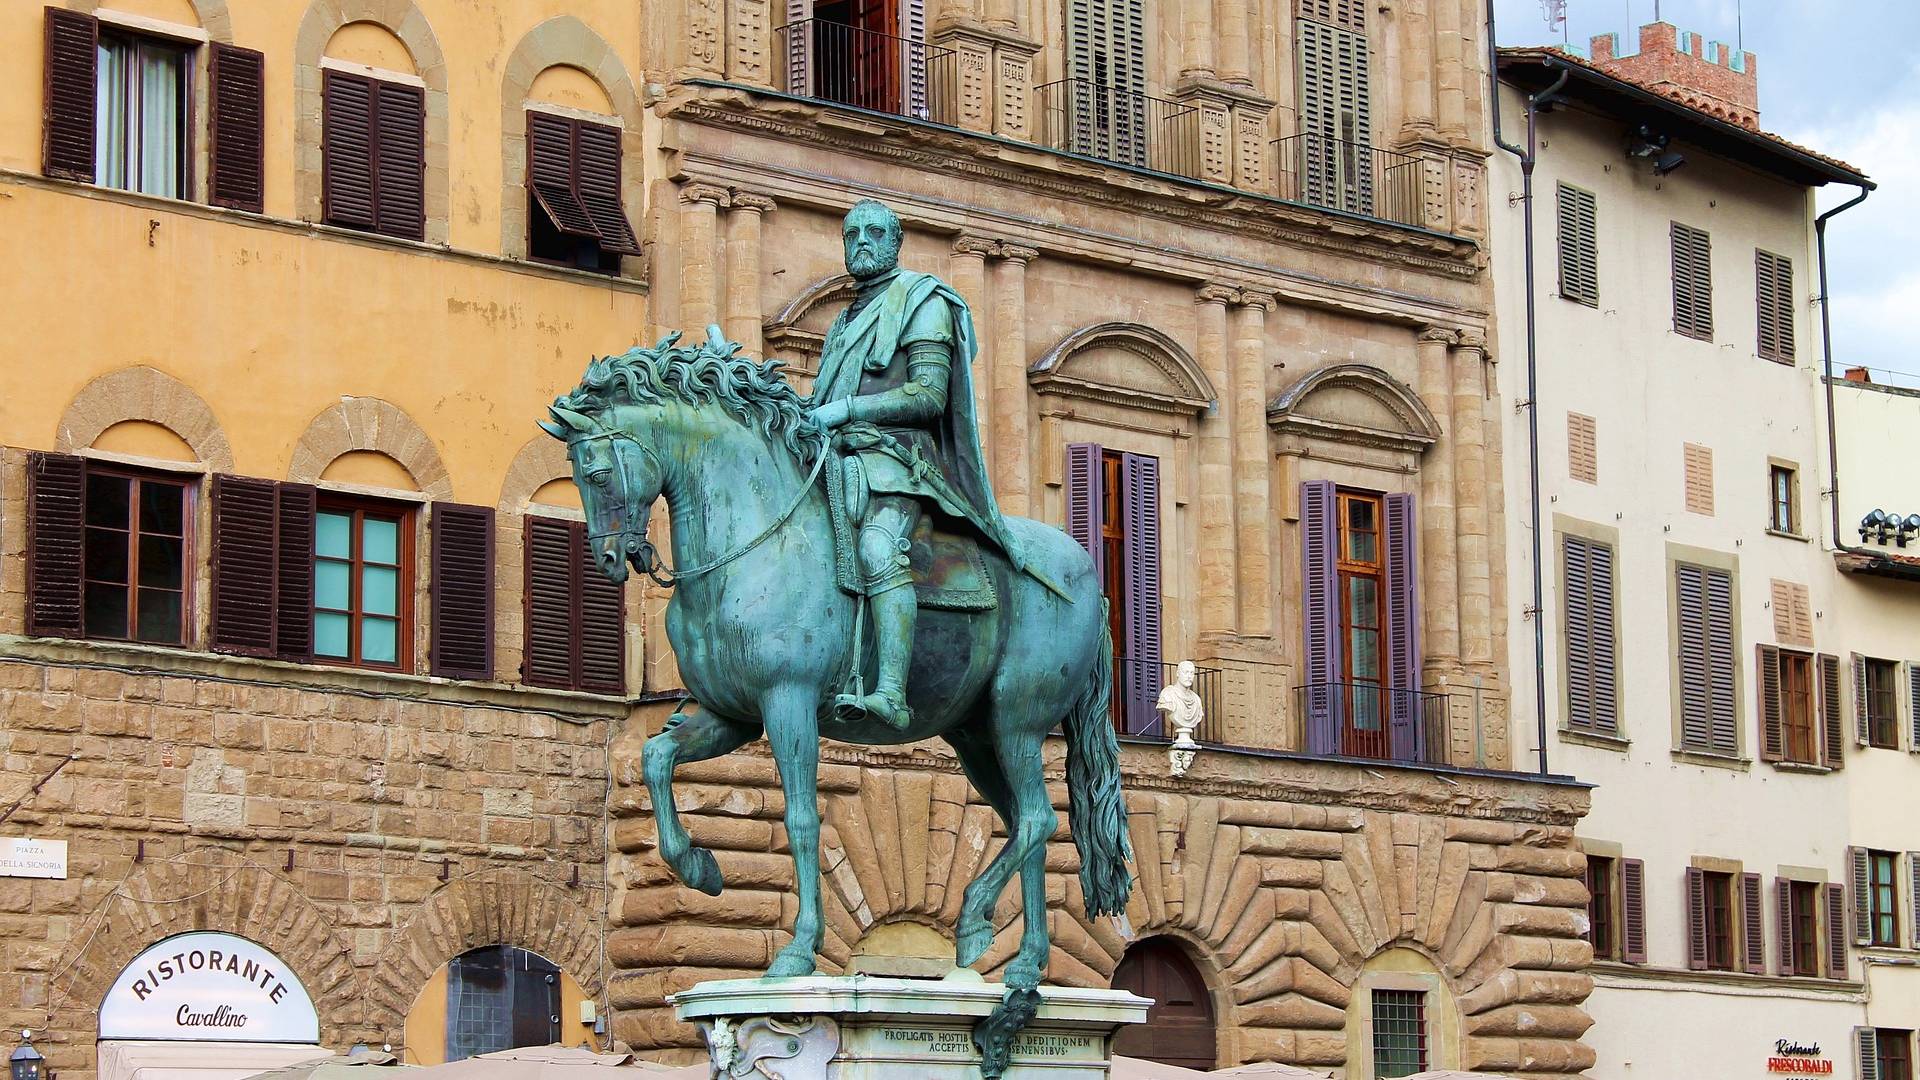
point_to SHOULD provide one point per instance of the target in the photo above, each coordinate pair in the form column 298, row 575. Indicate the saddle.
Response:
column 950, row 570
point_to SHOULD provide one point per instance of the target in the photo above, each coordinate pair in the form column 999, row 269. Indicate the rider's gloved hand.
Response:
column 831, row 415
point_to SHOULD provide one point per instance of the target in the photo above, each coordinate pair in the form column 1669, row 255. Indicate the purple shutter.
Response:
column 1753, row 931
column 56, row 543
column 1140, row 554
column 1783, row 905
column 1696, row 919
column 1320, row 606
column 1084, row 500
column 1406, row 740
column 1773, row 734
column 1633, row 911
column 243, row 565
column 293, row 593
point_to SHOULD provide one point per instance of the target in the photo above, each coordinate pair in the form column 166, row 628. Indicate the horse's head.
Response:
column 618, row 481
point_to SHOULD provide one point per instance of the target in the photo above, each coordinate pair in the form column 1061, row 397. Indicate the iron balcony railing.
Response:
column 1340, row 174
column 1106, row 122
column 836, row 62
column 1367, row 720
column 1137, row 685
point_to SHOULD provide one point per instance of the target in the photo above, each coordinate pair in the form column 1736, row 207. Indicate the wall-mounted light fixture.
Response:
column 26, row 1062
column 1649, row 145
column 1880, row 527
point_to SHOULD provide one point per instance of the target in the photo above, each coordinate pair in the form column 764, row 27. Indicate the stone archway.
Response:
column 1180, row 1026
column 368, row 423
column 213, row 15
column 144, row 393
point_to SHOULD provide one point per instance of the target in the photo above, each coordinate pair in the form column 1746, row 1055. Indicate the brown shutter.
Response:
column 56, row 542
column 462, row 592
column 1836, row 932
column 603, row 622
column 1773, row 290
column 1860, row 883
column 1579, row 243
column 1722, row 666
column 346, row 150
column 293, row 594
column 1783, row 916
column 1696, row 919
column 1753, row 930
column 1773, row 735
column 1690, row 621
column 1913, row 717
column 1833, row 721
column 244, row 565
column 400, row 160
column 1862, row 723
column 551, row 614
column 598, row 183
column 1866, row 1042
column 236, row 83
column 1633, row 911
column 550, row 173
column 1583, row 448
column 1692, row 282
column 1913, row 894
column 72, row 62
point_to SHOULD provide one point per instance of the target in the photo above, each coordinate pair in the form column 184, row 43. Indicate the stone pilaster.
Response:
column 1416, row 70
column 1215, row 557
column 1449, row 72
column 699, row 276
column 1012, row 472
column 1196, row 40
column 1471, row 483
column 1235, row 46
column 967, row 272
column 1253, row 498
column 1439, row 567
column 748, row 43
column 743, row 270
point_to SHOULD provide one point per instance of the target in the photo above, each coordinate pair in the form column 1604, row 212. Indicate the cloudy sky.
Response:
column 1838, row 76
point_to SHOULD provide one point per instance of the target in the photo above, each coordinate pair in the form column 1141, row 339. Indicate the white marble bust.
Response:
column 1184, row 712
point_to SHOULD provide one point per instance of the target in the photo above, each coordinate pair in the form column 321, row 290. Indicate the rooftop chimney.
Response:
column 1858, row 374
column 1706, row 75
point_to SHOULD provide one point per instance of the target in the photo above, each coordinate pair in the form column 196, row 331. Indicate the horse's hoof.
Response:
column 703, row 872
column 791, row 963
column 1022, row 975
column 971, row 944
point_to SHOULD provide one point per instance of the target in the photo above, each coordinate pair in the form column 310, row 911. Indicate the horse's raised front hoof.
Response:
column 971, row 942
column 792, row 962
column 1022, row 974
column 700, row 870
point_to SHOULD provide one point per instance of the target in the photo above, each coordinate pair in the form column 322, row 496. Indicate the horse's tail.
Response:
column 1096, row 809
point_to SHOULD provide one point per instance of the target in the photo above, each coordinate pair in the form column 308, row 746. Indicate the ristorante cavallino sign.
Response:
column 208, row 986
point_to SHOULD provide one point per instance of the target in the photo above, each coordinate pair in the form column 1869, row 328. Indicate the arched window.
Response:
column 500, row 997
column 1180, row 1026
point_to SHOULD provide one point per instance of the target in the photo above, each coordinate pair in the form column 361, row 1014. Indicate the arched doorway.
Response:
column 1179, row 1028
column 495, row 997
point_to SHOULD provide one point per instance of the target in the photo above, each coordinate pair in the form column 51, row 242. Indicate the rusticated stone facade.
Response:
column 1281, row 876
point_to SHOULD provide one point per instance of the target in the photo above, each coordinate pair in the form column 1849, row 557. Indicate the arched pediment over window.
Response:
column 1354, row 405
column 1124, row 364
column 798, row 330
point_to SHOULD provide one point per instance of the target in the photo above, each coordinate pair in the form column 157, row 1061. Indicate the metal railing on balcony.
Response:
column 1368, row 720
column 1136, row 690
column 1085, row 117
column 837, row 62
column 1343, row 175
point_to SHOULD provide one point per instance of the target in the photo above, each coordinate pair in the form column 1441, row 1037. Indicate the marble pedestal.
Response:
column 861, row 1027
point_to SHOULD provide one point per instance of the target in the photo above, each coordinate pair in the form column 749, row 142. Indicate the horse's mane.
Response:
column 756, row 394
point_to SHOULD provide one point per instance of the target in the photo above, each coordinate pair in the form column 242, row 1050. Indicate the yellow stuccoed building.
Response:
column 300, row 654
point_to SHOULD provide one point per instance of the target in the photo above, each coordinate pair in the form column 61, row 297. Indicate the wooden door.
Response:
column 1180, row 1027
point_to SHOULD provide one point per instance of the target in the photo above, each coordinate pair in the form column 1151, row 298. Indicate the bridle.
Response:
column 635, row 543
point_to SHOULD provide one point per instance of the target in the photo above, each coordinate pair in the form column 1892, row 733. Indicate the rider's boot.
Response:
column 894, row 612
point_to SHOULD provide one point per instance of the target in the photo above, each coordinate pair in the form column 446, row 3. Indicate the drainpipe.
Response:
column 1527, row 157
column 1826, row 360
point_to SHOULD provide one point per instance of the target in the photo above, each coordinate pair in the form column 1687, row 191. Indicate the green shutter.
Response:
column 1579, row 246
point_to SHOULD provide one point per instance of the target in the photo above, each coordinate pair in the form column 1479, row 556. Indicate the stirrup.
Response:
column 887, row 705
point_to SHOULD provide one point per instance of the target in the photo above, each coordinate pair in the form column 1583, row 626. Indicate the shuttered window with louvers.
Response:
column 1773, row 294
column 72, row 62
column 245, row 565
column 296, row 507
column 1407, row 739
column 1579, row 246
column 1084, row 499
column 1107, row 55
column 1336, row 116
column 1633, row 911
column 1692, row 282
column 1753, row 933
column 237, row 126
column 1587, row 584
column 1704, row 603
column 575, row 623
column 603, row 622
column 56, row 531
column 1698, row 954
column 1866, row 1042
column 461, row 642
column 1783, row 922
column 1773, row 728
column 1320, row 612
column 1860, row 885
column 573, row 180
column 373, row 148
column 1346, row 14
column 1140, row 550
column 1913, row 717
column 1833, row 720
column 1836, row 932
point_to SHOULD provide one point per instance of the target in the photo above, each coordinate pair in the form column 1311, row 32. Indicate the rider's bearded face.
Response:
column 872, row 237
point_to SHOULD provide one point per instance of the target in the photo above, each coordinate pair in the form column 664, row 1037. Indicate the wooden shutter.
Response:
column 1692, row 282
column 1836, row 932
column 236, row 83
column 1833, row 722
column 1913, row 894
column 1579, row 246
column 1783, row 917
column 346, row 149
column 400, row 160
column 1405, row 737
column 244, row 565
column 551, row 608
column 1721, row 664
column 1351, row 14
column 603, row 621
column 1084, row 501
column 293, row 594
column 552, row 155
column 72, row 62
column 462, row 592
column 1583, row 451
column 1587, row 599
column 1913, row 719
column 1773, row 293
column 598, row 177
column 1140, row 551
column 1773, row 732
column 1696, row 698
column 1696, row 466
column 1696, row 919
column 1335, row 74
column 1320, row 607
column 1862, row 722
column 56, row 543
column 914, row 55
column 799, row 47
column 1753, row 929
column 1860, row 881
column 1633, row 911
column 1866, row 1042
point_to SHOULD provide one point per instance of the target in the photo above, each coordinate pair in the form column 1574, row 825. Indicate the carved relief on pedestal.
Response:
column 1010, row 93
column 1434, row 202
column 704, row 21
column 1466, row 198
column 976, row 90
column 1250, row 148
column 747, row 43
column 1216, row 164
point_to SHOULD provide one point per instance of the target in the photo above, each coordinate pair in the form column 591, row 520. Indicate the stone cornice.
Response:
column 1058, row 175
